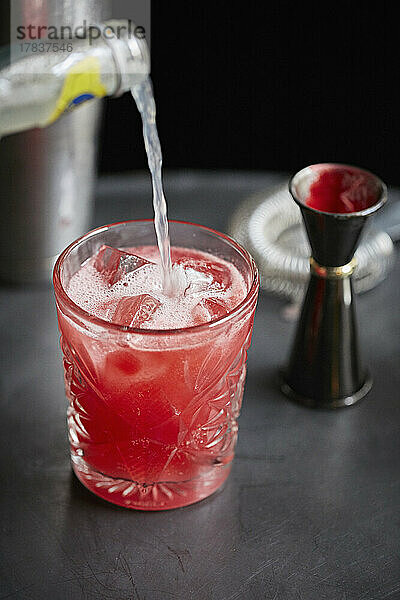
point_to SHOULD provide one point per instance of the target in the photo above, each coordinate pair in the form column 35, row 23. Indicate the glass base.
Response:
column 151, row 496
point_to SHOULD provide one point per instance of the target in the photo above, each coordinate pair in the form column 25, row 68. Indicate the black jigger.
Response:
column 324, row 368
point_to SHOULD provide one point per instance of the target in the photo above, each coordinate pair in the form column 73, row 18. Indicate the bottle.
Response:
column 47, row 174
column 37, row 89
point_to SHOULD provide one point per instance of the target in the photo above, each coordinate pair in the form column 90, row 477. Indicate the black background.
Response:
column 260, row 85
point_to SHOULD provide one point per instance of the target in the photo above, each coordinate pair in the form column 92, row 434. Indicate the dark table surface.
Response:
column 310, row 511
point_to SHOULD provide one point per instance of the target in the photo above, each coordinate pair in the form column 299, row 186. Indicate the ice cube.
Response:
column 196, row 282
column 209, row 309
column 216, row 307
column 204, row 275
column 113, row 264
column 135, row 310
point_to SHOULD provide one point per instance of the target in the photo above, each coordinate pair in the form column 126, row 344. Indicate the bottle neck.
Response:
column 130, row 53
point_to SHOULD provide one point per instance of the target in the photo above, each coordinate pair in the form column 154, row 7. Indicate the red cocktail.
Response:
column 153, row 407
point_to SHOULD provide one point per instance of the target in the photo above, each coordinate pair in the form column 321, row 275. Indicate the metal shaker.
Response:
column 47, row 175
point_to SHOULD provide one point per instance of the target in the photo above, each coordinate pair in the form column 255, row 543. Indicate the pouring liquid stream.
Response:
column 144, row 98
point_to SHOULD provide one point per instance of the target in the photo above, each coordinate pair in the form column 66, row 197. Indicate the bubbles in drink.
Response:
column 206, row 288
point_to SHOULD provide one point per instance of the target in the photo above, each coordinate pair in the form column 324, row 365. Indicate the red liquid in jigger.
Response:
column 342, row 190
column 146, row 417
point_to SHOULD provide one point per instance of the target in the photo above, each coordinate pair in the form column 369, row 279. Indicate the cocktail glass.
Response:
column 152, row 416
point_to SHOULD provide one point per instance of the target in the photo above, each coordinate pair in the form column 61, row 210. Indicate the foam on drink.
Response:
column 209, row 287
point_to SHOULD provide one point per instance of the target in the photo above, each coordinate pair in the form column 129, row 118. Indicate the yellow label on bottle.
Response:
column 82, row 83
